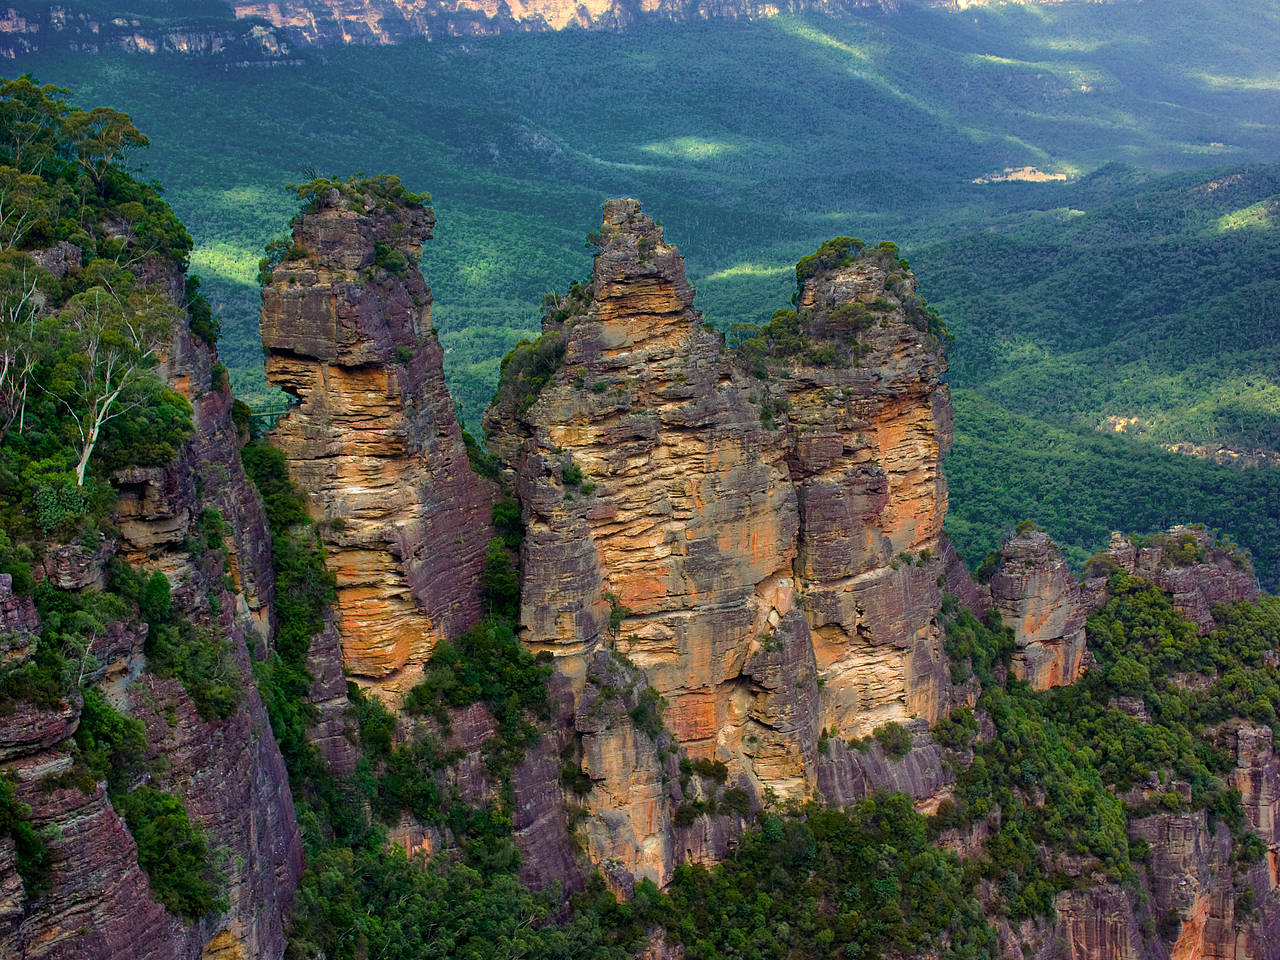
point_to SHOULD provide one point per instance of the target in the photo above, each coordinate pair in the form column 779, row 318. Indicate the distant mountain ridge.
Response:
column 269, row 30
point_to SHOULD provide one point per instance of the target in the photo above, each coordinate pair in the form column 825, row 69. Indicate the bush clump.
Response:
column 172, row 850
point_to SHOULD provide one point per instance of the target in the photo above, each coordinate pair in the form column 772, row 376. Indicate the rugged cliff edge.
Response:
column 227, row 770
column 252, row 33
column 374, row 441
column 732, row 569
column 756, row 529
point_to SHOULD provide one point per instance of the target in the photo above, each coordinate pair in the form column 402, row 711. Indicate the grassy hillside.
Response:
column 755, row 142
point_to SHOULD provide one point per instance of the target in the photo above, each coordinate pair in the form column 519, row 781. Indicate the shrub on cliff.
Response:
column 32, row 857
column 527, row 369
column 112, row 744
column 894, row 739
column 834, row 253
column 172, row 850
column 1058, row 760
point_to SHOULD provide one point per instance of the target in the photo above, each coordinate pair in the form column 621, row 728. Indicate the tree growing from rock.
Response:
column 111, row 342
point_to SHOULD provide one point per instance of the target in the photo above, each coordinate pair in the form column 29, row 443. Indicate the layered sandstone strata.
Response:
column 1037, row 596
column 765, row 550
column 390, row 21
column 227, row 771
column 1196, row 569
column 374, row 441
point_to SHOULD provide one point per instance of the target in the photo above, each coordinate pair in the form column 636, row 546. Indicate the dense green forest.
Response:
column 1117, row 294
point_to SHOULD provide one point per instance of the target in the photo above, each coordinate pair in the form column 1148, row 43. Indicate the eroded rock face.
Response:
column 374, row 441
column 1188, row 563
column 227, row 771
column 766, row 551
column 1037, row 595
column 390, row 21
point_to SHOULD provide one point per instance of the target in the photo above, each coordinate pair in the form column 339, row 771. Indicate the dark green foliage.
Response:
column 956, row 730
column 113, row 745
column 894, row 739
column 1183, row 550
column 1082, row 484
column 483, row 462
column 172, row 850
column 42, row 681
column 151, row 435
column 736, row 800
column 527, row 369
column 816, row 883
column 617, row 612
column 219, row 379
column 32, row 854
column 647, row 713
column 63, row 182
column 200, row 316
column 304, row 589
column 15, row 560
column 402, row 775
column 487, row 664
column 834, row 253
column 390, row 259
column 203, row 661
column 1059, row 758
column 267, row 469
column 384, row 190
column 508, row 521
column 280, row 250
column 571, row 473
column 212, row 528
column 707, row 767
column 344, row 906
column 575, row 780
column 500, row 581
column 199, row 656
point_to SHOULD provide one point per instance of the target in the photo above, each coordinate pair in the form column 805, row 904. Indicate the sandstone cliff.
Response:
column 56, row 26
column 266, row 32
column 390, row 21
column 228, row 771
column 1189, row 562
column 374, row 441
column 1037, row 595
column 757, row 532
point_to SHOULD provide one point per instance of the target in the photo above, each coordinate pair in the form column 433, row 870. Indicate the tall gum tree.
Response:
column 111, row 342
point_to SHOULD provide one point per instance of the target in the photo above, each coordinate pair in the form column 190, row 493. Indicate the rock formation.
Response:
column 1188, row 562
column 766, row 549
column 390, row 21
column 374, row 440
column 1037, row 595
column 228, row 772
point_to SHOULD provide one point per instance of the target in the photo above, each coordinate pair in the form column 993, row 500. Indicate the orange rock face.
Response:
column 1038, row 597
column 374, row 441
column 765, row 550
column 389, row 21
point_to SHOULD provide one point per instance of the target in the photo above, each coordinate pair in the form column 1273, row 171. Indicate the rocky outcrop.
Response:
column 1037, row 596
column 374, row 441
column 227, row 771
column 1097, row 923
column 848, row 772
column 390, row 21
column 765, row 548
column 1189, row 563
column 57, row 26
